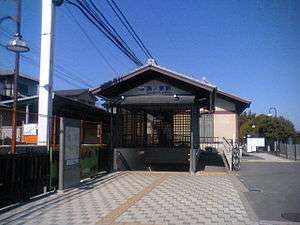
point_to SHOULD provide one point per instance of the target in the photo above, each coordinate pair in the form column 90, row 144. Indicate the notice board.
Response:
column 69, row 155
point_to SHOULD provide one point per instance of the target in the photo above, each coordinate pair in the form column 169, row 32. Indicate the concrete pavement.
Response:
column 273, row 186
column 141, row 198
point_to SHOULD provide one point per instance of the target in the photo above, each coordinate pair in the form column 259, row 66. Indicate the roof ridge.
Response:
column 185, row 76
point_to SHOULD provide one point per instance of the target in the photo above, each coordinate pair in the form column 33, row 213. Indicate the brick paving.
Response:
column 140, row 198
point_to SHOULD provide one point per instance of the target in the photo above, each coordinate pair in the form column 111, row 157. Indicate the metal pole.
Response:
column 295, row 152
column 15, row 83
column 81, row 132
column 27, row 114
column 61, row 155
column 46, row 72
column 1, row 119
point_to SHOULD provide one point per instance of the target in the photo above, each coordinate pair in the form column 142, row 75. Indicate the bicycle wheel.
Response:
column 236, row 163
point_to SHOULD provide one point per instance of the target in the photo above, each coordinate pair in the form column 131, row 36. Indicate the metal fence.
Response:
column 33, row 170
column 288, row 151
column 23, row 176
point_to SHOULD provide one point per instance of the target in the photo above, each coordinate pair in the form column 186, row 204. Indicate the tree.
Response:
column 265, row 126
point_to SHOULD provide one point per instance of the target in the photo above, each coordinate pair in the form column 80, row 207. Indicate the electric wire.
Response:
column 62, row 75
column 120, row 43
column 106, row 23
column 99, row 23
column 91, row 41
column 59, row 74
column 121, row 16
column 57, row 67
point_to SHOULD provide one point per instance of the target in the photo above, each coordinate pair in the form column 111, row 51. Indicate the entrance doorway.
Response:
column 154, row 138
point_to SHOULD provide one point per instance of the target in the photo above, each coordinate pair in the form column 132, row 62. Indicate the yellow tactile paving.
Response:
column 113, row 215
column 211, row 173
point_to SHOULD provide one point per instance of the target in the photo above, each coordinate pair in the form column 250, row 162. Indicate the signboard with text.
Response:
column 69, row 154
column 253, row 143
column 155, row 87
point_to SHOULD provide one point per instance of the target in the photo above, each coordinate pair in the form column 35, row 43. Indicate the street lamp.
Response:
column 270, row 111
column 275, row 114
column 16, row 45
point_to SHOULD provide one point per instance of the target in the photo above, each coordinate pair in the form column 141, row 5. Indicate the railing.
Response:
column 222, row 145
column 227, row 146
column 209, row 143
column 288, row 151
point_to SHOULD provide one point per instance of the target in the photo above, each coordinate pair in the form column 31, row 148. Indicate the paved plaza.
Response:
column 142, row 198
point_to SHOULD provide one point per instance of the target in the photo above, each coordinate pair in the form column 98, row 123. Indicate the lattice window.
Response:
column 160, row 128
column 182, row 128
column 130, row 128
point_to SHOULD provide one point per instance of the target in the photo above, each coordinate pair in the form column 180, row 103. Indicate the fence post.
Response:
column 286, row 150
column 1, row 137
column 81, row 132
column 295, row 152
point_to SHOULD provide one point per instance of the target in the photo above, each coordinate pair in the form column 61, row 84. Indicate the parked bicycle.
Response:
column 236, row 164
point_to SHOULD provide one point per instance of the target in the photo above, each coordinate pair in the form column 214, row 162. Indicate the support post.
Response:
column 46, row 72
column 194, row 137
column 192, row 158
column 295, row 152
column 81, row 132
column 27, row 114
column 61, row 155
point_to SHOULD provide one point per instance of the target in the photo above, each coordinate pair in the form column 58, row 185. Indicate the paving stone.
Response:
column 180, row 199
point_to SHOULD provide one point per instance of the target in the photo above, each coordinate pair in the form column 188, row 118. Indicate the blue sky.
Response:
column 248, row 48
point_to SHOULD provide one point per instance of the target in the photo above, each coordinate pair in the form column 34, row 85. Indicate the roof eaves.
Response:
column 10, row 73
column 71, row 92
column 234, row 97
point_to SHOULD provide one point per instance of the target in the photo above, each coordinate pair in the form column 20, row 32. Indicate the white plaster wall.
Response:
column 225, row 119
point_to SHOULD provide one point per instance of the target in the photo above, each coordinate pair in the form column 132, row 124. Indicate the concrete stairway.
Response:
column 210, row 162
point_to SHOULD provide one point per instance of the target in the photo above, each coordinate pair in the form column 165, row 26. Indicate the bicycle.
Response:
column 236, row 158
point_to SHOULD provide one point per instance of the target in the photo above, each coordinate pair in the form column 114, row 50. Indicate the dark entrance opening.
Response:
column 153, row 138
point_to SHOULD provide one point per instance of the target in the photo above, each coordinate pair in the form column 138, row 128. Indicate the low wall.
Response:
column 4, row 149
column 140, row 158
column 167, row 155
column 129, row 159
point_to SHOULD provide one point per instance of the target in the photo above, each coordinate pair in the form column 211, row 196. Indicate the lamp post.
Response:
column 275, row 115
column 18, row 46
column 270, row 111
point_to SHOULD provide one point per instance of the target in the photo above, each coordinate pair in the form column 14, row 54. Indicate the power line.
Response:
column 59, row 73
column 57, row 67
column 90, row 40
column 104, row 28
column 106, row 23
column 121, row 16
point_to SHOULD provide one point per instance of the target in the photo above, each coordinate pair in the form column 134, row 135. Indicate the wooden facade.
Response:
column 155, row 116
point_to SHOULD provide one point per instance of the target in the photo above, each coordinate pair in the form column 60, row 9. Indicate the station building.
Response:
column 161, row 117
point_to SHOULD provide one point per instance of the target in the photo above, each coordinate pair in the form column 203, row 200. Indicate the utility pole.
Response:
column 16, row 45
column 15, row 84
column 46, row 72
